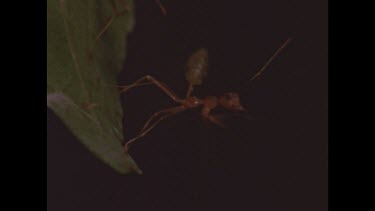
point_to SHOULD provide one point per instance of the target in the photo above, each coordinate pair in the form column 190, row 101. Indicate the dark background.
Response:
column 275, row 160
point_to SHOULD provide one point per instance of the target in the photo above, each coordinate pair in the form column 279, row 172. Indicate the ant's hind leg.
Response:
column 140, row 82
column 151, row 80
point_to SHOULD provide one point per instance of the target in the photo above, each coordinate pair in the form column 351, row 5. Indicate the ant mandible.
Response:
column 196, row 70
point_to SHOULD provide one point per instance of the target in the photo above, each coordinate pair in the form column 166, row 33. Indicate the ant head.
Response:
column 231, row 101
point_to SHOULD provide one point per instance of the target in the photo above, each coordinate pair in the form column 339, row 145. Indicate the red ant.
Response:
column 196, row 71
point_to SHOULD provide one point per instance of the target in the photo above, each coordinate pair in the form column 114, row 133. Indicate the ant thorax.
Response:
column 192, row 102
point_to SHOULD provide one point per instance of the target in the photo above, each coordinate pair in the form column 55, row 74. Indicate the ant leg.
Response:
column 214, row 120
column 125, row 88
column 156, row 114
column 144, row 131
column 105, row 28
column 164, row 88
column 116, row 14
column 109, row 22
column 157, row 83
column 139, row 82
column 206, row 115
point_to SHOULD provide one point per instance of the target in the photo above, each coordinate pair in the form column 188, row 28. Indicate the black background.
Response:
column 276, row 160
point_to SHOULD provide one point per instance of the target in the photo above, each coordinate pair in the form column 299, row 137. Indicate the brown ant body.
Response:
column 196, row 71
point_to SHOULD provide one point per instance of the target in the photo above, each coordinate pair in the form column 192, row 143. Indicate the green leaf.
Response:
column 82, row 74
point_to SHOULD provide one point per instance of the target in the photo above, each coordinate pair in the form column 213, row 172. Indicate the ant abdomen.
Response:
column 196, row 67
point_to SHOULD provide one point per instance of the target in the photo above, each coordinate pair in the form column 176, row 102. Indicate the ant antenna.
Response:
column 161, row 6
column 271, row 59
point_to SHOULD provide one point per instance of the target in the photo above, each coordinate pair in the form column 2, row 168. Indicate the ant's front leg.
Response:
column 151, row 80
column 140, row 82
column 116, row 14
